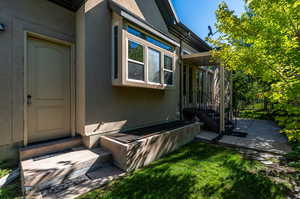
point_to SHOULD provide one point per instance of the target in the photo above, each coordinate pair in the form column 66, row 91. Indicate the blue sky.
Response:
column 199, row 14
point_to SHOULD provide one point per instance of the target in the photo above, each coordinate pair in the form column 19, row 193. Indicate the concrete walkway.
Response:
column 263, row 135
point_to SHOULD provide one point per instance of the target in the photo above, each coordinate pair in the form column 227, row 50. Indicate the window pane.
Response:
column 135, row 71
column 168, row 77
column 149, row 38
column 153, row 66
column 135, row 51
column 168, row 62
column 159, row 44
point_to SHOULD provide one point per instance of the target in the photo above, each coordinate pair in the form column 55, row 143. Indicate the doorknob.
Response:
column 29, row 99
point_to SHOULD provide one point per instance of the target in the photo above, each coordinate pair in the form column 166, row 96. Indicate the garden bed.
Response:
column 134, row 149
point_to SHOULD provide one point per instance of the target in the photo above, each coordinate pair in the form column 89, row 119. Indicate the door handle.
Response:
column 29, row 99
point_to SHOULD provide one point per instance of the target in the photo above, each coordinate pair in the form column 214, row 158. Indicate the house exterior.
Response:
column 95, row 67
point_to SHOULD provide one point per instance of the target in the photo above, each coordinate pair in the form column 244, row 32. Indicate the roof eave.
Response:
column 72, row 5
column 179, row 29
column 129, row 16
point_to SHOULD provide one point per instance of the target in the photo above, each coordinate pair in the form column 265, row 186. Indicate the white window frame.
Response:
column 146, row 45
column 136, row 62
column 168, row 70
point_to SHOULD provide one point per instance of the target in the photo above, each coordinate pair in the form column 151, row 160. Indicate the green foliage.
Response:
column 264, row 44
column 196, row 171
column 255, row 114
column 295, row 164
column 13, row 190
column 4, row 168
column 293, row 135
column 294, row 156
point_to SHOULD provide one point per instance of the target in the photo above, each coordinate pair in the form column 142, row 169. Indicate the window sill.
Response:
column 141, row 84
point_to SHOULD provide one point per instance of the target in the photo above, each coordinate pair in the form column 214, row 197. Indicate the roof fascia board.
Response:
column 194, row 36
column 183, row 30
column 174, row 11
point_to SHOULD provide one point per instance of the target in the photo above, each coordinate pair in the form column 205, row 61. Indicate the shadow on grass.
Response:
column 242, row 183
column 155, row 184
column 197, row 171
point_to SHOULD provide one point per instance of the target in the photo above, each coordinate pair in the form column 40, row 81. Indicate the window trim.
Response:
column 168, row 70
column 134, row 61
column 144, row 33
column 146, row 45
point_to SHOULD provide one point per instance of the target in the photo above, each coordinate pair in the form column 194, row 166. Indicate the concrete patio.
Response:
column 262, row 135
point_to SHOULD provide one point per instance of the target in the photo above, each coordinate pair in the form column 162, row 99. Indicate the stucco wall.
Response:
column 102, row 102
column 106, row 103
column 39, row 16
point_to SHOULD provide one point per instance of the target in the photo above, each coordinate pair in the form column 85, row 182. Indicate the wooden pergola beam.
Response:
column 200, row 59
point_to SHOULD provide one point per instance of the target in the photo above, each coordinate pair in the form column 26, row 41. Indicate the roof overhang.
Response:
column 72, row 5
column 200, row 59
column 129, row 16
column 177, row 28
column 173, row 11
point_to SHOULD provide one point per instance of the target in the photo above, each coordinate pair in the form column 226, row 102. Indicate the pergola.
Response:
column 204, row 59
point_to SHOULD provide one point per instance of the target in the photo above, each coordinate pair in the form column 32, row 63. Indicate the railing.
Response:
column 211, row 106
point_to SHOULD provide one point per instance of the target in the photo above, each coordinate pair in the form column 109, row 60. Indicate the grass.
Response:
column 294, row 156
column 196, row 171
column 13, row 190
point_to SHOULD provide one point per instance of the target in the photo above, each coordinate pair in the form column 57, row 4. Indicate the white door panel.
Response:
column 48, row 90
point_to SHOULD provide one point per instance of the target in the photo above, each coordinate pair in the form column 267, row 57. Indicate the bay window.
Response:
column 146, row 61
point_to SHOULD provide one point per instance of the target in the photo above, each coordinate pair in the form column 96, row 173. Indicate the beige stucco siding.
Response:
column 132, row 6
column 106, row 103
column 38, row 16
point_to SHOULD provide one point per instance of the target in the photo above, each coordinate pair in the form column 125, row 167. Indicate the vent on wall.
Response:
column 2, row 27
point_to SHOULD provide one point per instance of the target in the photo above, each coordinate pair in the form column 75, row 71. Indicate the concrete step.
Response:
column 206, row 136
column 78, row 186
column 51, row 170
column 49, row 147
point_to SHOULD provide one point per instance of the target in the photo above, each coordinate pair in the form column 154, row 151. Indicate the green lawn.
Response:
column 196, row 171
column 13, row 190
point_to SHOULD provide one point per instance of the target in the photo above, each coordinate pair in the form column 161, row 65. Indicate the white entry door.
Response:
column 48, row 90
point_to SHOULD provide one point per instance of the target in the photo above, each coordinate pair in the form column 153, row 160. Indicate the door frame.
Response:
column 28, row 34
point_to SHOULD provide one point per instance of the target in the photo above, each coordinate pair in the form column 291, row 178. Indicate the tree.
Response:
column 264, row 42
